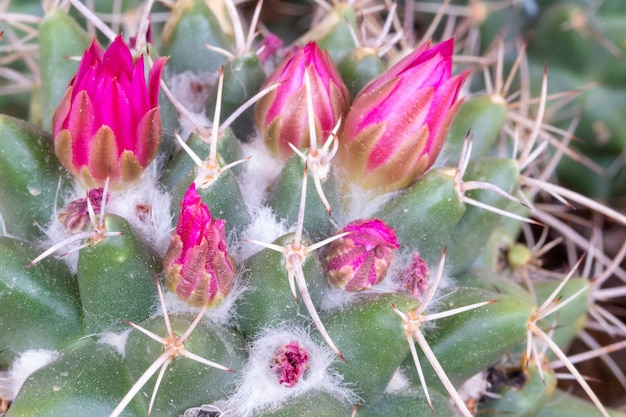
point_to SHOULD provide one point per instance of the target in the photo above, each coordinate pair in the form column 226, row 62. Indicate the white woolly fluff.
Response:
column 54, row 234
column 192, row 89
column 153, row 229
column 184, row 87
column 264, row 227
column 258, row 174
column 22, row 367
column 156, row 228
column 362, row 204
column 258, row 387
column 116, row 340
column 222, row 314
column 398, row 383
column 335, row 297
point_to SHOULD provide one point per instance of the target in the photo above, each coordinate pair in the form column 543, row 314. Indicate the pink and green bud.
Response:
column 415, row 277
column 398, row 123
column 289, row 363
column 360, row 260
column 197, row 265
column 281, row 116
column 108, row 124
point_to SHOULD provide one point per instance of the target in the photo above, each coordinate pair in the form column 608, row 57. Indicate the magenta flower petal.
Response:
column 81, row 122
column 109, row 89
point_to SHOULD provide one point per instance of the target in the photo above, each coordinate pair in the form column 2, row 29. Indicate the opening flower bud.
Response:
column 281, row 115
column 108, row 122
column 289, row 363
column 197, row 265
column 398, row 122
column 360, row 260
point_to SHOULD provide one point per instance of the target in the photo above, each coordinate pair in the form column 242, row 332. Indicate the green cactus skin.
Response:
column 268, row 299
column 472, row 232
column 31, row 177
column 61, row 37
column 333, row 32
column 467, row 343
column 374, row 343
column 181, row 170
column 39, row 305
column 116, row 279
column 312, row 404
column 494, row 281
column 185, row 380
column 571, row 319
column 88, row 378
column 409, row 404
column 181, row 40
column 317, row 223
column 359, row 67
column 243, row 77
column 482, row 117
column 564, row 404
column 425, row 215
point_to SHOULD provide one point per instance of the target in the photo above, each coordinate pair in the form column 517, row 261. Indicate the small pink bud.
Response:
column 289, row 363
column 197, row 265
column 398, row 122
column 415, row 277
column 270, row 45
column 108, row 122
column 75, row 217
column 281, row 115
column 358, row 261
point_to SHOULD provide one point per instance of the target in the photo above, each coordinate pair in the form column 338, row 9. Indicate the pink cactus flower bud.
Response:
column 358, row 261
column 270, row 46
column 281, row 115
column 197, row 265
column 75, row 217
column 398, row 122
column 415, row 277
column 289, row 363
column 108, row 122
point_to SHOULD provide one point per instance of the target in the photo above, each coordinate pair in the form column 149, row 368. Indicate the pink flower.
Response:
column 358, row 261
column 398, row 123
column 289, row 363
column 281, row 116
column 108, row 122
column 197, row 265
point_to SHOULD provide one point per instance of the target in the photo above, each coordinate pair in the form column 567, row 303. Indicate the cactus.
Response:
column 202, row 218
